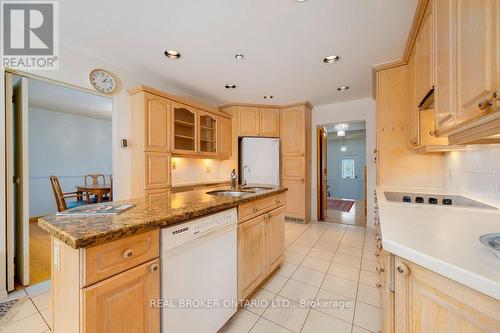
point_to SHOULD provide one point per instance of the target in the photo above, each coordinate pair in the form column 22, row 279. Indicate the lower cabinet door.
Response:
column 275, row 239
column 428, row 302
column 122, row 303
column 295, row 199
column 251, row 255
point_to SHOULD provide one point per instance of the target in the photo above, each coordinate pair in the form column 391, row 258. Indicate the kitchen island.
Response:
column 106, row 269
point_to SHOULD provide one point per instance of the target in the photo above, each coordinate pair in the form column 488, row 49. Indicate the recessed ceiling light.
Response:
column 268, row 97
column 239, row 56
column 331, row 59
column 343, row 88
column 173, row 54
column 301, row 0
column 230, row 86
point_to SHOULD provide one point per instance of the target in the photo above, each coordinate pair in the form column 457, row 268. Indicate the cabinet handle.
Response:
column 496, row 94
column 378, row 285
column 379, row 246
column 403, row 269
column 379, row 269
column 128, row 253
column 377, row 238
column 432, row 132
column 376, row 254
column 484, row 104
column 278, row 201
column 154, row 267
column 255, row 209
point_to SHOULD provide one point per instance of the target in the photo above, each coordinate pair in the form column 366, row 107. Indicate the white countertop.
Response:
column 442, row 239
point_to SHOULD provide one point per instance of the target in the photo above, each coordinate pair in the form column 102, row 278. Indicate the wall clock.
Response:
column 103, row 81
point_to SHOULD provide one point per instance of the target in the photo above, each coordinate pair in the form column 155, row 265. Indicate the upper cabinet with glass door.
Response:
column 185, row 120
column 207, row 133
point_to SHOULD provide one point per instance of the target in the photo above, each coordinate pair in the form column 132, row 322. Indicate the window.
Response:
column 347, row 168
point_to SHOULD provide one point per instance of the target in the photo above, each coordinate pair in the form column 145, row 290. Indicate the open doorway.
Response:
column 342, row 173
column 55, row 135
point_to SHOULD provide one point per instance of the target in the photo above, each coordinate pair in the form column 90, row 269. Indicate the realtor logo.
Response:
column 30, row 35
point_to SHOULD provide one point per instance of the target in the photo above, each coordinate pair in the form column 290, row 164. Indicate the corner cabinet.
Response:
column 207, row 144
column 261, row 242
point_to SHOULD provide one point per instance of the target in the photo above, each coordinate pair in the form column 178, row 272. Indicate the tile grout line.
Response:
column 335, row 252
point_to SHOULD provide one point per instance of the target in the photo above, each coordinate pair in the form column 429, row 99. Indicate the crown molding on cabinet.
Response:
column 183, row 100
column 306, row 103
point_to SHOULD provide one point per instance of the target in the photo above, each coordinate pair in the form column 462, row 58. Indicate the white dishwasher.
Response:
column 199, row 273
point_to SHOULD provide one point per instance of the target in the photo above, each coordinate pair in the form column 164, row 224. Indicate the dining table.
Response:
column 99, row 190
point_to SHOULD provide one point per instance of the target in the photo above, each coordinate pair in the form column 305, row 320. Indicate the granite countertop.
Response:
column 443, row 239
column 148, row 214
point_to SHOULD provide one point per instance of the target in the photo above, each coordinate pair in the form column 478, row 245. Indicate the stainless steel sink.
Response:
column 258, row 188
column 229, row 193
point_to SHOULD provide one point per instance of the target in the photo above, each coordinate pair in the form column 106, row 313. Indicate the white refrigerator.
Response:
column 259, row 161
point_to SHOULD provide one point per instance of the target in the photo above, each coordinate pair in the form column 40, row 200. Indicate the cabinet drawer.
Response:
column 102, row 261
column 254, row 208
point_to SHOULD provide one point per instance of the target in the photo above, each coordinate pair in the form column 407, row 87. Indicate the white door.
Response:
column 17, row 180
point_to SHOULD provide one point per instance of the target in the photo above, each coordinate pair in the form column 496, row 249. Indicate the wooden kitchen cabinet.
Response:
column 252, row 268
column 477, row 56
column 249, row 121
column 428, row 302
column 261, row 242
column 184, row 129
column 413, row 128
column 293, row 131
column 444, row 89
column 157, row 170
column 207, row 133
column 156, row 122
column 275, row 240
column 122, row 302
column 224, row 137
column 424, row 56
column 269, row 122
column 295, row 134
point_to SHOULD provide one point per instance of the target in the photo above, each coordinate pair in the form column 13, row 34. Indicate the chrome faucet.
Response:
column 244, row 179
column 234, row 180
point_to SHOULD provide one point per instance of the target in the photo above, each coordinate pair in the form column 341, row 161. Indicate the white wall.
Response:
column 347, row 188
column 358, row 110
column 67, row 146
column 474, row 172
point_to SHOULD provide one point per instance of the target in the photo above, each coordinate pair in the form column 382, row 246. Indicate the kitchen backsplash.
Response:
column 475, row 172
column 186, row 171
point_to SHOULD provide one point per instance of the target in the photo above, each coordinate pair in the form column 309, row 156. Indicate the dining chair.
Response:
column 61, row 197
column 94, row 178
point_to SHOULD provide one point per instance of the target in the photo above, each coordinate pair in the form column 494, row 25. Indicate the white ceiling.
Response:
column 53, row 97
column 284, row 43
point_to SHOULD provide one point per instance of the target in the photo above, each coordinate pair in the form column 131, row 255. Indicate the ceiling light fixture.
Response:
column 172, row 54
column 343, row 148
column 301, row 0
column 268, row 97
column 331, row 59
column 343, row 88
column 239, row 56
column 230, row 86
column 341, row 128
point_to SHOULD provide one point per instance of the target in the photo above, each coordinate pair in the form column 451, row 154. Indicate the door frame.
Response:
column 3, row 183
column 322, row 171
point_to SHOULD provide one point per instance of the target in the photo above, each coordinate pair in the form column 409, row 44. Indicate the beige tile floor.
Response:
column 323, row 261
column 33, row 315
